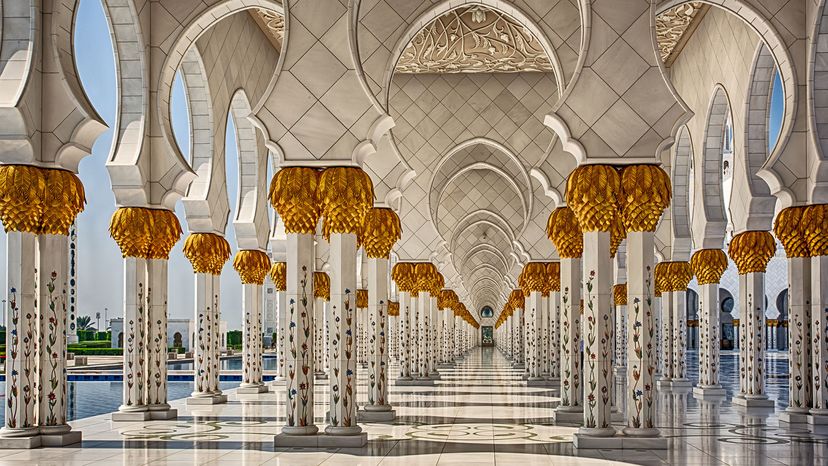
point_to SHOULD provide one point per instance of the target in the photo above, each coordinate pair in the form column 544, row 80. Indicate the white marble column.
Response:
column 404, row 334
column 597, row 329
column 415, row 343
column 343, row 377
column 679, row 340
column 53, row 278
column 134, row 405
column 710, row 336
column 281, row 330
column 216, row 339
column 534, row 307
column 252, row 382
column 666, row 350
column 621, row 338
column 319, row 337
column 434, row 338
column 543, row 338
column 554, row 335
column 378, row 408
column 752, row 352
column 458, row 346
column 819, row 341
column 423, row 334
column 157, row 270
column 203, row 344
column 641, row 340
column 571, row 394
column 299, row 344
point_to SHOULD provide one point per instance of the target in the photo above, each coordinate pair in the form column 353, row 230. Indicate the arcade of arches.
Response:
column 477, row 231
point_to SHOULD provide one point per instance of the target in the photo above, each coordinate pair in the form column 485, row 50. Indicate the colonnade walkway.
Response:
column 480, row 412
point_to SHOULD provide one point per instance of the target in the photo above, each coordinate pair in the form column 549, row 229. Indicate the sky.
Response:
column 100, row 281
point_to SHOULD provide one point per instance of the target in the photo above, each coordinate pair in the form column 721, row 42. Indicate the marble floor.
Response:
column 479, row 413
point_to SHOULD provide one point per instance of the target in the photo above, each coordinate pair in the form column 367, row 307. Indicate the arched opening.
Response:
column 177, row 340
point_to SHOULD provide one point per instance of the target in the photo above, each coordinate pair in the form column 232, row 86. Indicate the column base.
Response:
column 709, row 393
column 61, row 439
column 752, row 402
column 818, row 418
column 252, row 390
column 320, row 376
column 402, row 380
column 445, row 365
column 130, row 416
column 206, row 400
column 517, row 365
column 163, row 414
column 568, row 414
column 619, row 441
column 794, row 417
column 365, row 415
column 415, row 383
column 620, row 371
column 21, row 443
column 435, row 376
column 540, row 382
column 320, row 440
column 556, row 381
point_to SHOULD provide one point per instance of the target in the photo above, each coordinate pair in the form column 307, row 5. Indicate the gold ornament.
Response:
column 252, row 266
column 679, row 275
column 322, row 286
column 517, row 299
column 751, row 251
column 617, row 234
column 21, row 201
column 361, row 299
column 292, row 194
column 563, row 230
column 708, row 265
column 619, row 294
column 145, row 233
column 403, row 275
column 815, row 229
column 553, row 270
column 207, row 252
column 278, row 275
column 166, row 231
column 39, row 200
column 63, row 199
column 345, row 195
column 533, row 277
column 426, row 274
column 380, row 230
column 592, row 192
column 438, row 284
column 393, row 308
column 646, row 192
column 662, row 278
column 446, row 299
column 789, row 227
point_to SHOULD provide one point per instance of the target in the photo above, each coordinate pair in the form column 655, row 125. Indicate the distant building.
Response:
column 180, row 332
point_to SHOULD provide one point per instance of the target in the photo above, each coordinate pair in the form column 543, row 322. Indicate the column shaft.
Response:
column 404, row 335
column 252, row 353
column 216, row 338
column 555, row 335
column 666, row 350
column 281, row 308
column 203, row 352
column 752, row 321
column 21, row 331
column 423, row 334
column 299, row 345
column 710, row 335
column 640, row 326
column 135, row 335
column 679, row 336
column 53, row 277
column 378, row 325
column 571, row 397
column 819, row 334
column 597, row 331
column 157, row 335
column 343, row 362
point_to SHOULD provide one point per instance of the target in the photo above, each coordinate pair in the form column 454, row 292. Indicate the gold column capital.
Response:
column 534, row 277
column 292, row 194
column 563, row 230
column 361, row 299
column 751, row 251
column 447, row 299
column 207, row 252
column 39, row 200
column 619, row 294
column 393, row 308
column 789, row 229
column 553, row 270
column 679, row 274
column 617, row 234
column 426, row 277
column 403, row 274
column 661, row 279
column 708, row 265
column 322, row 286
column 252, row 266
column 380, row 230
column 517, row 300
column 345, row 195
column 646, row 192
column 592, row 192
column 145, row 232
column 815, row 229
column 278, row 275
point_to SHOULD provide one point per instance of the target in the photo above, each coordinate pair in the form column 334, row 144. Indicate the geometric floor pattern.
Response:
column 478, row 414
